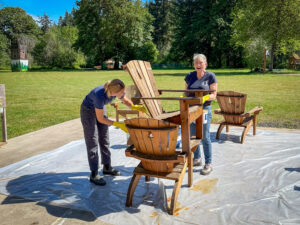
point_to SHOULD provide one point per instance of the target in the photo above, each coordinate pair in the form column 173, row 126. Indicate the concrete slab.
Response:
column 24, row 212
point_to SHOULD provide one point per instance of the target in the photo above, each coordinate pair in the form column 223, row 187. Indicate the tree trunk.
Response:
column 272, row 58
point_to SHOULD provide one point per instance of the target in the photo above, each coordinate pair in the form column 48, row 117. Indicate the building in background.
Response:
column 19, row 58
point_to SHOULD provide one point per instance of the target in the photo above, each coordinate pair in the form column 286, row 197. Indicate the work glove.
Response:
column 122, row 126
column 205, row 98
column 140, row 108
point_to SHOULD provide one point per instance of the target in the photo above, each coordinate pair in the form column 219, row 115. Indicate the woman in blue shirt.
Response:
column 95, row 126
column 205, row 80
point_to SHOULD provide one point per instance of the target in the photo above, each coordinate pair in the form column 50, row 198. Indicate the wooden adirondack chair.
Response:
column 232, row 106
column 190, row 110
column 130, row 92
column 154, row 143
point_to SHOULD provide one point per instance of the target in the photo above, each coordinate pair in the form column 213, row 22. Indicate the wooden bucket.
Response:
column 153, row 137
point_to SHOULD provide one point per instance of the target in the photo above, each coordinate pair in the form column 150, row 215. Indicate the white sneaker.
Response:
column 206, row 169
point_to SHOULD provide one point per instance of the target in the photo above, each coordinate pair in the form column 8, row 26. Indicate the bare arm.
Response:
column 213, row 86
column 101, row 118
column 126, row 101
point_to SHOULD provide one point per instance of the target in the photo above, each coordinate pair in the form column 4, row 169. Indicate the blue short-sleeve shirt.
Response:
column 97, row 98
column 194, row 83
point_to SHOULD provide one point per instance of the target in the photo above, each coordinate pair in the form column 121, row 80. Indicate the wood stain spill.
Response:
column 206, row 185
column 155, row 214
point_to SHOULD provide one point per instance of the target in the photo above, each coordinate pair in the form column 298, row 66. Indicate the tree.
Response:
column 45, row 23
column 203, row 26
column 148, row 52
column 109, row 29
column 14, row 21
column 161, row 10
column 55, row 48
column 68, row 19
column 277, row 22
column 4, row 51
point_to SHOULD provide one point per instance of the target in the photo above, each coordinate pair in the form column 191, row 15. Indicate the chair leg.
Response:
column 219, row 130
column 176, row 189
column 117, row 116
column 133, row 183
column 245, row 132
column 190, row 169
column 254, row 124
column 227, row 128
column 147, row 178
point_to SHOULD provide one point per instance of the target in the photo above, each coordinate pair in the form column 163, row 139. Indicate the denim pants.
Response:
column 95, row 134
column 206, row 142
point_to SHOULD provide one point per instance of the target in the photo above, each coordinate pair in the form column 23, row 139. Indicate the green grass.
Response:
column 40, row 99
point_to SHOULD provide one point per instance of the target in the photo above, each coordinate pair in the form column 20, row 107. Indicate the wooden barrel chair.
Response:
column 154, row 143
column 232, row 108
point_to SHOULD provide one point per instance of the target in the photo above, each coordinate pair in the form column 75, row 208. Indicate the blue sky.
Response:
column 53, row 8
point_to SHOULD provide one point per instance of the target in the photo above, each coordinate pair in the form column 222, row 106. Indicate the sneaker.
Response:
column 111, row 171
column 206, row 169
column 197, row 162
column 98, row 180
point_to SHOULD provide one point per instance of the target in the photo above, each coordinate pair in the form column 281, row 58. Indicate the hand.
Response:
column 122, row 126
column 140, row 108
column 205, row 98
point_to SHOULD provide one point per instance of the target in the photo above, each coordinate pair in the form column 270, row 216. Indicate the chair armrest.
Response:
column 189, row 100
column 186, row 90
column 115, row 104
column 255, row 110
column 218, row 111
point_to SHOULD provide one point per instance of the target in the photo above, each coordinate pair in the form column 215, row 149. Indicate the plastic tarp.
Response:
column 257, row 182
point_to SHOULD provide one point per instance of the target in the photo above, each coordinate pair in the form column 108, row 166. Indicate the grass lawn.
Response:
column 40, row 99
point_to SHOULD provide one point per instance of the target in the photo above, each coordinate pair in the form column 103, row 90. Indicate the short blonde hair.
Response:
column 115, row 86
column 199, row 57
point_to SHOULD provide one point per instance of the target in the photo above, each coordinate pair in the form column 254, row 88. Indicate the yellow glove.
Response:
column 205, row 98
column 140, row 108
column 122, row 126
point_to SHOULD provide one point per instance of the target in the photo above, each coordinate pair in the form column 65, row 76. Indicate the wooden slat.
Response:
column 147, row 85
column 153, row 83
column 164, row 141
column 132, row 134
column 173, row 141
column 176, row 158
column 186, row 91
column 174, row 175
column 194, row 142
column 135, row 74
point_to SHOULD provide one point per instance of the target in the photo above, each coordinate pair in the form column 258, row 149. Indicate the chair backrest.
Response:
column 2, row 96
column 233, row 104
column 153, row 137
column 143, row 78
column 131, row 92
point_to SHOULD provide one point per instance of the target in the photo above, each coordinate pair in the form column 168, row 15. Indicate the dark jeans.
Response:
column 206, row 142
column 95, row 133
